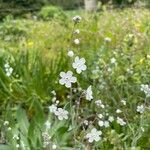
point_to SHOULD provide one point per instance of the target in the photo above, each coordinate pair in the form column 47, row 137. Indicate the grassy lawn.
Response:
column 116, row 47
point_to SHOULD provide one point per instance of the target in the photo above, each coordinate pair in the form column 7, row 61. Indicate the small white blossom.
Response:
column 121, row 121
column 146, row 89
column 102, row 106
column 76, row 19
column 77, row 41
column 100, row 116
column 6, row 65
column 16, row 137
column 46, row 139
column 101, row 123
column 107, row 39
column 67, row 79
column 106, row 124
column 109, row 69
column 52, row 108
column 118, row 111
column 123, row 102
column 57, row 102
column 53, row 92
column 113, row 60
column 8, row 69
column 140, row 109
column 61, row 114
column 94, row 135
column 6, row 123
column 79, row 64
column 89, row 94
column 9, row 129
column 48, row 124
column 111, row 118
column 54, row 146
column 98, row 102
column 86, row 122
column 53, row 99
column 77, row 31
column 70, row 53
column 17, row 145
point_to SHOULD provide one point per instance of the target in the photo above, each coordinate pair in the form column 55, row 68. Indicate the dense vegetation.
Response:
column 111, row 95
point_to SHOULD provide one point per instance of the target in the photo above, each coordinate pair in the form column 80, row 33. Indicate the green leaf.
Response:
column 5, row 147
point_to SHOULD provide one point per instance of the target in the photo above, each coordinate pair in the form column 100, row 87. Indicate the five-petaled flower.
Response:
column 94, row 135
column 61, row 114
column 79, row 64
column 89, row 94
column 67, row 79
column 140, row 109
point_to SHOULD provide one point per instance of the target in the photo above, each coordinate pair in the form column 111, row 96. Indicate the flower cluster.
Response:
column 94, row 135
column 146, row 89
column 8, row 69
column 59, row 112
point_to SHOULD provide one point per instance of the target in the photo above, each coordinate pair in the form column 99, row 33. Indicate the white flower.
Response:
column 6, row 65
column 77, row 31
column 94, row 135
column 106, row 124
column 54, row 146
column 53, row 99
column 123, row 102
column 86, row 122
column 113, row 60
column 121, row 121
column 118, row 111
column 89, row 94
column 46, row 139
column 140, row 109
column 102, row 106
column 6, row 123
column 76, row 19
column 70, row 53
column 79, row 64
column 146, row 89
column 48, row 124
column 77, row 41
column 98, row 102
column 111, row 118
column 17, row 145
column 8, row 69
column 109, row 69
column 9, row 129
column 100, row 116
column 16, row 137
column 100, row 123
column 53, row 92
column 52, row 108
column 107, row 39
column 61, row 114
column 67, row 79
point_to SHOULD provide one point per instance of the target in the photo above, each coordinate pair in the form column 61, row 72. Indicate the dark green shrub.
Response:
column 120, row 2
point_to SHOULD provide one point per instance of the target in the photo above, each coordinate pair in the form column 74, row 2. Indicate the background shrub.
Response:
column 49, row 12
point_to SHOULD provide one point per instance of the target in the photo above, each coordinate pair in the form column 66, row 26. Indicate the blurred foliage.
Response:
column 21, row 7
column 52, row 12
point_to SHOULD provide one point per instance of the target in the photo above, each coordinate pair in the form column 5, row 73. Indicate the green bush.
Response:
column 120, row 2
column 49, row 12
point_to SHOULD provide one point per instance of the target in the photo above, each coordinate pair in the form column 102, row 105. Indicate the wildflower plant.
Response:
column 87, row 119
